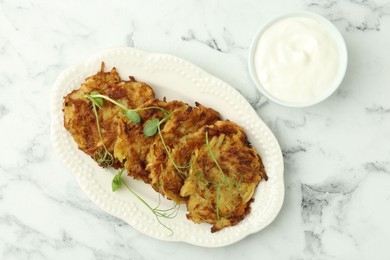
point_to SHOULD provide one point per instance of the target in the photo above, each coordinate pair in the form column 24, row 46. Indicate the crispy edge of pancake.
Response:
column 242, row 168
column 184, row 120
column 79, row 117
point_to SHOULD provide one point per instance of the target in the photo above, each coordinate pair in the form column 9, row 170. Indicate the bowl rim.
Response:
column 334, row 32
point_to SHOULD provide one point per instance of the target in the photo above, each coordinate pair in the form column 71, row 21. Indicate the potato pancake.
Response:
column 165, row 177
column 186, row 153
column 132, row 146
column 220, row 194
column 79, row 117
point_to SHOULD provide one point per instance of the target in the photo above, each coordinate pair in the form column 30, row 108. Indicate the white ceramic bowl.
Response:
column 343, row 59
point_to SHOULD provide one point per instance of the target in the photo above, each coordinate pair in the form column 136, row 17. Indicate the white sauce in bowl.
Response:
column 297, row 59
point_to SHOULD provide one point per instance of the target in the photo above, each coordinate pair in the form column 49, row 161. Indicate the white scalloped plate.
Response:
column 173, row 78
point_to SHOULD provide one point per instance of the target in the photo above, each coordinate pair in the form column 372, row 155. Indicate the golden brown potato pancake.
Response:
column 215, row 176
column 220, row 196
column 132, row 146
column 165, row 178
column 79, row 117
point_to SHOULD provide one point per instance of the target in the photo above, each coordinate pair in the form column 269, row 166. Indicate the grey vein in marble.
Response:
column 226, row 46
column 211, row 42
column 375, row 167
column 287, row 153
column 374, row 12
column 259, row 101
column 329, row 198
column 3, row 110
column 39, row 241
column 321, row 3
column 378, row 110
column 130, row 36
column 294, row 124
column 313, row 243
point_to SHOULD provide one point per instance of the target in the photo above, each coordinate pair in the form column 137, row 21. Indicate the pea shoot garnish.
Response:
column 131, row 114
column 218, row 186
column 106, row 159
column 224, row 183
column 118, row 182
column 151, row 128
column 101, row 155
column 211, row 152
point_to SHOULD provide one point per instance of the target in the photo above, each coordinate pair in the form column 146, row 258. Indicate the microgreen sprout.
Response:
column 97, row 101
column 101, row 155
column 211, row 152
column 151, row 128
column 118, row 182
column 177, row 167
column 105, row 158
column 220, row 169
column 219, row 185
column 131, row 114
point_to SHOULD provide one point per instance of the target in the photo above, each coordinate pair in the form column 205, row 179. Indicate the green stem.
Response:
column 157, row 212
column 211, row 153
column 168, row 153
column 167, row 116
column 138, row 197
column 103, row 160
column 98, row 123
column 152, row 107
column 125, row 108
column 109, row 99
column 223, row 184
column 220, row 169
column 218, row 198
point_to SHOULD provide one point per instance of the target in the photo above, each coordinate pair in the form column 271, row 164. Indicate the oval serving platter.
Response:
column 173, row 78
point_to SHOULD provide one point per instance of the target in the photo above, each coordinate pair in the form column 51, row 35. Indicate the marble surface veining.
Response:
column 337, row 153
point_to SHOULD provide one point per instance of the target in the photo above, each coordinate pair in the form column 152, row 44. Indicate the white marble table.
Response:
column 337, row 153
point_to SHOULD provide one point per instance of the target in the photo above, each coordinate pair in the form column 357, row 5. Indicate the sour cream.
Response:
column 297, row 59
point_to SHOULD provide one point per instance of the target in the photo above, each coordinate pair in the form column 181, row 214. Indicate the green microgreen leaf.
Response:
column 133, row 116
column 151, row 127
column 97, row 101
column 116, row 183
